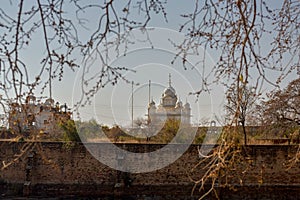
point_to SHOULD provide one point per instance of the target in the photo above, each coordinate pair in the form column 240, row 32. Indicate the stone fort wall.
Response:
column 50, row 169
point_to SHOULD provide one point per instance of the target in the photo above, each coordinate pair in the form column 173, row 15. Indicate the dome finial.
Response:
column 170, row 80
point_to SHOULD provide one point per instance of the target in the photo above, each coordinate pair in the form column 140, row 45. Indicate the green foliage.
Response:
column 117, row 134
column 69, row 131
column 200, row 135
column 281, row 131
column 171, row 126
column 184, row 135
column 167, row 133
column 88, row 129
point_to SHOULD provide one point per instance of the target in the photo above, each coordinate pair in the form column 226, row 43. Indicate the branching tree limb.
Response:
column 252, row 41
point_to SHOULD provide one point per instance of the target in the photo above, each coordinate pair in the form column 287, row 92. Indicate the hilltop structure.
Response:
column 43, row 118
column 170, row 107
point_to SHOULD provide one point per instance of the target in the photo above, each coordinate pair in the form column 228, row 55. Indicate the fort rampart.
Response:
column 50, row 169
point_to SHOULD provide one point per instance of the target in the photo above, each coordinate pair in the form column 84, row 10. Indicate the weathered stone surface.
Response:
column 51, row 170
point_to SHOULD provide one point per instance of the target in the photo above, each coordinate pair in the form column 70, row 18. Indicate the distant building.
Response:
column 41, row 117
column 170, row 107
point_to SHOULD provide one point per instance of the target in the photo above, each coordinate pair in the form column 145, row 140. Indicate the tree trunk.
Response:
column 245, row 134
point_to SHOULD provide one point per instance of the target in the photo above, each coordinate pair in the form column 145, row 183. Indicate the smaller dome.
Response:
column 152, row 104
column 187, row 105
column 179, row 104
column 49, row 102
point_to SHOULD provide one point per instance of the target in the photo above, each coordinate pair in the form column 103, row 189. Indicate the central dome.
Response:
column 170, row 107
column 169, row 91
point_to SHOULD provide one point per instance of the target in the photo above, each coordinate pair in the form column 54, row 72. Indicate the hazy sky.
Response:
column 112, row 105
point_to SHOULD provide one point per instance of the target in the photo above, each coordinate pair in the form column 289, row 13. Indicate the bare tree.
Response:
column 59, row 22
column 57, row 25
column 283, row 105
column 254, row 40
column 240, row 106
column 281, row 109
column 250, row 38
column 238, row 30
column 235, row 30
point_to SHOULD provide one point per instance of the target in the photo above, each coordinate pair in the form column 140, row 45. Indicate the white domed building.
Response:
column 170, row 107
column 37, row 116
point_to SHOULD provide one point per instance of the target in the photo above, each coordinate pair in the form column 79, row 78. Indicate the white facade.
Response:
column 170, row 107
column 41, row 117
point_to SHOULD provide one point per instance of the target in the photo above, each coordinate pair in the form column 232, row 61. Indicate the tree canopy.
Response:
column 283, row 105
column 280, row 112
column 240, row 106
